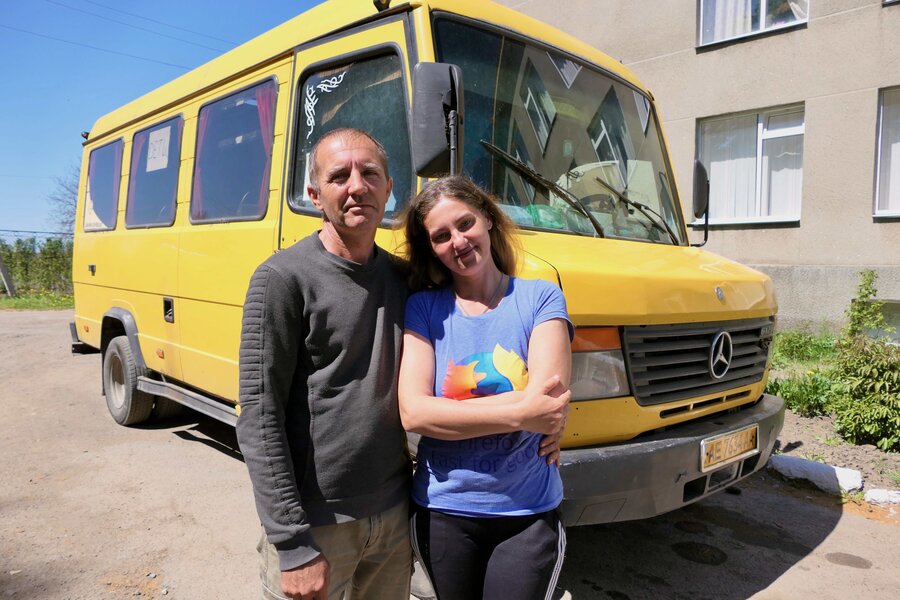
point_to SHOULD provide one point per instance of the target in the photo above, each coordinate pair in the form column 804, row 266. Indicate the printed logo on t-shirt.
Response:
column 485, row 374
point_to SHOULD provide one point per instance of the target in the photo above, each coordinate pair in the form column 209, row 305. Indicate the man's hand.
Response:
column 544, row 408
column 308, row 581
column 550, row 447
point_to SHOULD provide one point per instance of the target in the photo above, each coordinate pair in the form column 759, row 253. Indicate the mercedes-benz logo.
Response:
column 720, row 353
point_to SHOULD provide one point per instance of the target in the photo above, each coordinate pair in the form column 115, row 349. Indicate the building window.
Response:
column 755, row 165
column 153, row 178
column 887, row 196
column 538, row 104
column 722, row 20
column 101, row 203
column 234, row 156
column 610, row 136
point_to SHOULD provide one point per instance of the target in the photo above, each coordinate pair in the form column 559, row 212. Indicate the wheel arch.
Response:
column 118, row 321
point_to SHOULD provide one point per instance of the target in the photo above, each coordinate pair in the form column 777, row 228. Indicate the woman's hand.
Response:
column 544, row 407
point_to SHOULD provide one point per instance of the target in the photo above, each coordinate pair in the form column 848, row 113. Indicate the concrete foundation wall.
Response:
column 817, row 296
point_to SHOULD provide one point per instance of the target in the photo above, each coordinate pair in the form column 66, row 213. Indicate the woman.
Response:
column 483, row 378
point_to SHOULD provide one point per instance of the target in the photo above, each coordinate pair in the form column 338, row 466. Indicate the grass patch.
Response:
column 895, row 477
column 856, row 497
column 833, row 441
column 800, row 348
column 37, row 301
column 807, row 394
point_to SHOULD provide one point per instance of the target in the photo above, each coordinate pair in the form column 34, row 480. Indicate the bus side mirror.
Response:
column 701, row 190
column 437, row 117
column 701, row 199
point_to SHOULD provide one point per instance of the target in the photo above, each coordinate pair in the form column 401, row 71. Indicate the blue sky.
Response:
column 54, row 90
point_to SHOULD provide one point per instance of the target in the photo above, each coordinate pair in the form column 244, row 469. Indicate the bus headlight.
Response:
column 598, row 367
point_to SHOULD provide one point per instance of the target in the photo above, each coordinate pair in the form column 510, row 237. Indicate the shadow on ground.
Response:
column 729, row 546
column 192, row 426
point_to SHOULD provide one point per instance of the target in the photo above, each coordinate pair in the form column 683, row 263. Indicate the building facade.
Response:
column 794, row 109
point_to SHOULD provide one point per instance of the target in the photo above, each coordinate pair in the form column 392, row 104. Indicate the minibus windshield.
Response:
column 595, row 138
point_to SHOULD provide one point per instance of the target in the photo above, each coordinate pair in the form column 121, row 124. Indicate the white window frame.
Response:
column 876, row 212
column 762, row 134
column 762, row 24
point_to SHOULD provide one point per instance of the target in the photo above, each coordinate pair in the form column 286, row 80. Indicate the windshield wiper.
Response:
column 654, row 217
column 548, row 186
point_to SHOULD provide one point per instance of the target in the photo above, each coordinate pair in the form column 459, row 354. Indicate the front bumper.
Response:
column 657, row 473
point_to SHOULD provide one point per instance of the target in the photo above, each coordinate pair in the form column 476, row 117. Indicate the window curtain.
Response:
column 90, row 215
column 136, row 147
column 116, row 180
column 728, row 150
column 782, row 172
column 197, row 192
column 265, row 102
column 889, row 164
column 176, row 156
column 724, row 19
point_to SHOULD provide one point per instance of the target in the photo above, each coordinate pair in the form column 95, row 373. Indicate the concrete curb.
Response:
column 883, row 496
column 827, row 478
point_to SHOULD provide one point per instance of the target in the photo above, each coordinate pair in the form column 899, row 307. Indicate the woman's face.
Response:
column 459, row 236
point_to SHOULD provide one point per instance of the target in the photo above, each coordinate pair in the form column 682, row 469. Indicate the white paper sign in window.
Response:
column 158, row 149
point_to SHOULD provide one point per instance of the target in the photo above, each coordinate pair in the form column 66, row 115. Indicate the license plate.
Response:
column 728, row 448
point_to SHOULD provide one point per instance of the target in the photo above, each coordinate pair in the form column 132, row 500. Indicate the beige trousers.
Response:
column 370, row 558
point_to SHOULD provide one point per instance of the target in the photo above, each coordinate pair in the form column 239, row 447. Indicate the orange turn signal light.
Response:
column 593, row 339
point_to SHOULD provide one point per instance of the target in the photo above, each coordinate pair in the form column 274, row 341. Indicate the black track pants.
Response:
column 492, row 558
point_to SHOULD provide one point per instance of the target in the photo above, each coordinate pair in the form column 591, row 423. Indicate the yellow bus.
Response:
column 185, row 190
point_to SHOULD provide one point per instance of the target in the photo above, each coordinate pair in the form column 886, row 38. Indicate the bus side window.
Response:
column 101, row 203
column 153, row 178
column 234, row 156
column 367, row 94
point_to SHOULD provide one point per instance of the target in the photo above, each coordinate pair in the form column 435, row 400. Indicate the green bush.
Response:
column 867, row 393
column 808, row 395
column 865, row 310
column 801, row 345
column 867, row 375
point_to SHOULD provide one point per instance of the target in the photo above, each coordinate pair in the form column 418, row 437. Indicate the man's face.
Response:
column 353, row 185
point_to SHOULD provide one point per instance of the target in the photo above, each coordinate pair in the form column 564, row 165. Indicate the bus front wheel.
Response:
column 127, row 404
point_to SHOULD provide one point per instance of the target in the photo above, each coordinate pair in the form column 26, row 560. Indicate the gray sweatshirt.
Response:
column 319, row 425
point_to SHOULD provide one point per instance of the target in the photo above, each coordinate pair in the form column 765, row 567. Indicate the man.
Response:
column 319, row 425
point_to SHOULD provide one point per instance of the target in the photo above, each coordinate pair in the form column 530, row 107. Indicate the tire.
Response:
column 126, row 404
column 166, row 409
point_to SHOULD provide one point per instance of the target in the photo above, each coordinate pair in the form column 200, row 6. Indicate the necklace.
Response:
column 490, row 303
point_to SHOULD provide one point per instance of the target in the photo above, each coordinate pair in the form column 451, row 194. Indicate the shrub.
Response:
column 865, row 310
column 867, row 375
column 867, row 392
column 801, row 345
column 808, row 395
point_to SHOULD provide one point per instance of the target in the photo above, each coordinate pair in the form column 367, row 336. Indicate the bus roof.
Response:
column 324, row 19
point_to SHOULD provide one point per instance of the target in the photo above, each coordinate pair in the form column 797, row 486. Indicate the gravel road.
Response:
column 92, row 510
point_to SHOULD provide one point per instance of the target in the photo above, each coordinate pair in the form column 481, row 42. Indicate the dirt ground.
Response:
column 91, row 510
column 94, row 511
column 815, row 439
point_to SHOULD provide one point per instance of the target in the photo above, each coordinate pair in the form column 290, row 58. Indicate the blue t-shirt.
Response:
column 493, row 475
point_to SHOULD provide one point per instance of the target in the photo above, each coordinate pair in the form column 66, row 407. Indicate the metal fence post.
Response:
column 7, row 279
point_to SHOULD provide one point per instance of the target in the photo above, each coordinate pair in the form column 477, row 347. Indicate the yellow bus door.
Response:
column 359, row 80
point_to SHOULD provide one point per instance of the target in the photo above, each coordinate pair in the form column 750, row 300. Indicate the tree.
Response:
column 63, row 198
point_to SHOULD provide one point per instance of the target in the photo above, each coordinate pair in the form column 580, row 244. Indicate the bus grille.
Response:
column 667, row 363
